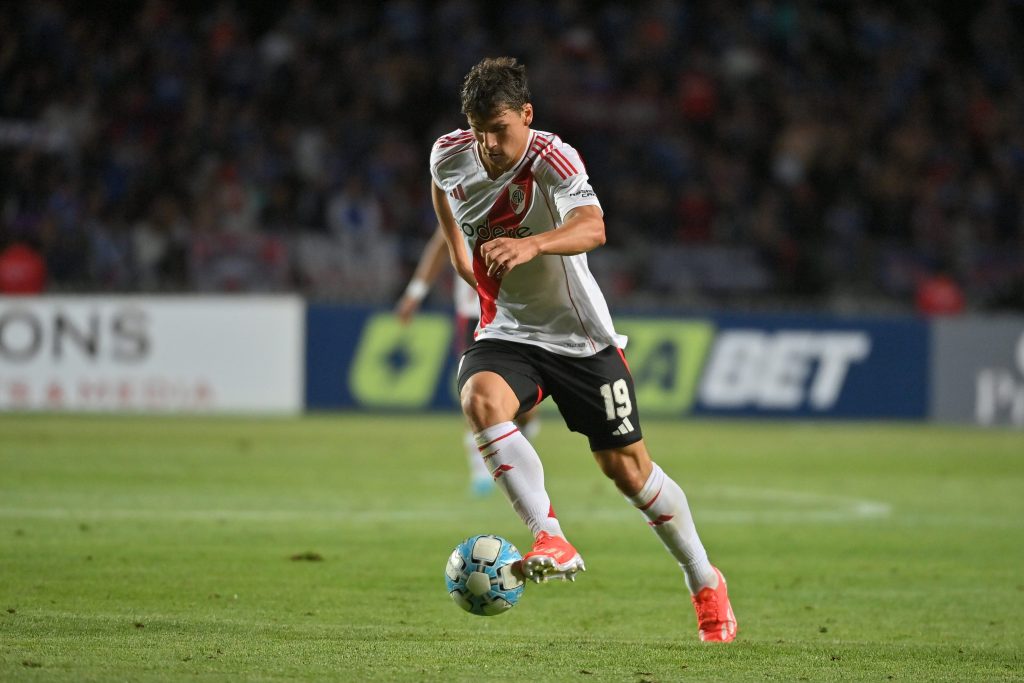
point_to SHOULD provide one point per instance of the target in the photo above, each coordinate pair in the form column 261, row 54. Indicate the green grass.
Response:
column 160, row 549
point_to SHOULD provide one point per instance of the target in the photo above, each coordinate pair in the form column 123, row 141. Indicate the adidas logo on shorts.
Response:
column 625, row 428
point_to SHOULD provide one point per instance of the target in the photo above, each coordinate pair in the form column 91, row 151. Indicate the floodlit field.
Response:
column 276, row 549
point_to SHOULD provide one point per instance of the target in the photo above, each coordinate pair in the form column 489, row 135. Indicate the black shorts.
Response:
column 595, row 394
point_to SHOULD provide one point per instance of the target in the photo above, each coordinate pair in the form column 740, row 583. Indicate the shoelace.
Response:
column 708, row 608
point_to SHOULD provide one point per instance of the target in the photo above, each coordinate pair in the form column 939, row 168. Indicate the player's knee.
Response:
column 628, row 469
column 482, row 409
column 628, row 480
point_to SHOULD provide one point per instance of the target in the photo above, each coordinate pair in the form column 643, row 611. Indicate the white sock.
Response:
column 664, row 504
column 477, row 468
column 518, row 472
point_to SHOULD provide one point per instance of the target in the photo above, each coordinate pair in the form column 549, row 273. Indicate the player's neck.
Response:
column 496, row 170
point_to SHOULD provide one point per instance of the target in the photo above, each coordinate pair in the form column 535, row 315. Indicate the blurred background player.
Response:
column 517, row 210
column 433, row 261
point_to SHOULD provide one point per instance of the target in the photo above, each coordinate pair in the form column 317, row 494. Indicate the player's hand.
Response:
column 503, row 254
column 406, row 308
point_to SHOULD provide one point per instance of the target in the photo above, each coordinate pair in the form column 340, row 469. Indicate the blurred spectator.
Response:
column 366, row 252
column 22, row 270
column 796, row 154
column 939, row 294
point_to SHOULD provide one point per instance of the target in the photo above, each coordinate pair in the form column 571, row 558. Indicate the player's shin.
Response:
column 518, row 472
column 664, row 505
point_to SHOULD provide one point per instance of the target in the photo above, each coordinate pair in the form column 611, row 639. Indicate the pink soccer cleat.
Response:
column 716, row 622
column 552, row 557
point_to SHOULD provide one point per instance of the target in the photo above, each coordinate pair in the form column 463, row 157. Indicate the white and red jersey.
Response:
column 552, row 301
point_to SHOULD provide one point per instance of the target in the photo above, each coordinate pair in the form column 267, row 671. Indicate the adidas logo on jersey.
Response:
column 625, row 428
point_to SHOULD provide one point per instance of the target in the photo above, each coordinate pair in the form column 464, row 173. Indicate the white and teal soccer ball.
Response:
column 483, row 577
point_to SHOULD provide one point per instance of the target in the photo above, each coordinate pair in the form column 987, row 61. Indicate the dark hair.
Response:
column 493, row 85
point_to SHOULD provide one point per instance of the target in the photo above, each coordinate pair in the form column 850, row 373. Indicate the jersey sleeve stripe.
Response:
column 565, row 160
column 549, row 157
column 452, row 152
column 555, row 157
column 457, row 136
column 542, row 145
column 452, row 143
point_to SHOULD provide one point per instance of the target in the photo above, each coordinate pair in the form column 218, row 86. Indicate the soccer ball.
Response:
column 482, row 575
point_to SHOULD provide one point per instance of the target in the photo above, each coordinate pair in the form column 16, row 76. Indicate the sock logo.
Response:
column 502, row 469
column 660, row 520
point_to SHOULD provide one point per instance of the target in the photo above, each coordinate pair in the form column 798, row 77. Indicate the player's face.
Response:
column 503, row 137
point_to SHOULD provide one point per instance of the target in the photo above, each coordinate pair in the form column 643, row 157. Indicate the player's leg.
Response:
column 664, row 504
column 490, row 402
column 487, row 399
column 481, row 482
column 597, row 397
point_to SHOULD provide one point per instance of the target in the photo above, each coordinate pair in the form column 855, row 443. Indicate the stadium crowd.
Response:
column 793, row 153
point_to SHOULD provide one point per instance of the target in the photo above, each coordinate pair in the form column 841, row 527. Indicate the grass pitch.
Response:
column 150, row 549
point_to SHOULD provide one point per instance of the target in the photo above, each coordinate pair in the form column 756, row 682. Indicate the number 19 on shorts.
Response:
column 616, row 399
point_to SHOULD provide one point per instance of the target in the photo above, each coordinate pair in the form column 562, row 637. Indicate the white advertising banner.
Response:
column 194, row 354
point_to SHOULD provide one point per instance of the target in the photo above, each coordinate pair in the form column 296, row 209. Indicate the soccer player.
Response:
column 519, row 214
column 467, row 317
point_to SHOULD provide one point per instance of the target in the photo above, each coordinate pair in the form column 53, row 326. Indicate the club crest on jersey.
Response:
column 517, row 197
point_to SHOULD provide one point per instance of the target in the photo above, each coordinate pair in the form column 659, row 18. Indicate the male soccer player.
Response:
column 467, row 317
column 519, row 215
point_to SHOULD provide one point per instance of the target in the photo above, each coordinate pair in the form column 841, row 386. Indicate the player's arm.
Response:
column 582, row 231
column 432, row 260
column 452, row 235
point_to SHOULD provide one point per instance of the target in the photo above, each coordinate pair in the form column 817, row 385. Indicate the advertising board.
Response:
column 771, row 366
column 978, row 371
column 152, row 354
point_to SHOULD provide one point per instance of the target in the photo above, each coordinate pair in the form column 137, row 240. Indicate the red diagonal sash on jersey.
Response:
column 502, row 215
